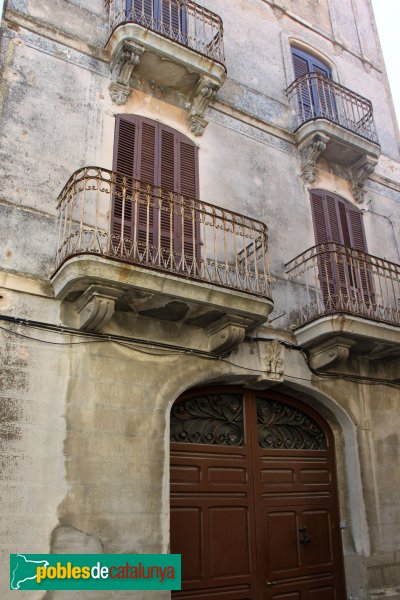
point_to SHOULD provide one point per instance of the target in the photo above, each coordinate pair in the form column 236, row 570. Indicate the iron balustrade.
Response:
column 108, row 214
column 314, row 96
column 337, row 279
column 182, row 21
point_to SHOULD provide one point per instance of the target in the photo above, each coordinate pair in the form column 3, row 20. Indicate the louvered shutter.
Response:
column 173, row 19
column 147, row 203
column 169, row 210
column 188, row 186
column 323, row 93
column 155, row 206
column 125, row 153
column 344, row 279
column 362, row 269
column 304, row 90
column 140, row 11
column 326, row 265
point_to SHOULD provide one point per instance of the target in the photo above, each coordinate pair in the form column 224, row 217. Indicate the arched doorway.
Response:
column 254, row 507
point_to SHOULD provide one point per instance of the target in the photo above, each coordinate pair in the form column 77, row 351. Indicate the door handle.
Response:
column 304, row 536
column 269, row 583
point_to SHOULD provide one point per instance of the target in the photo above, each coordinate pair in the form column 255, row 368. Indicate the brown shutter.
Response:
column 188, row 186
column 361, row 268
column 322, row 232
column 169, row 213
column 125, row 152
column 343, row 272
column 157, row 203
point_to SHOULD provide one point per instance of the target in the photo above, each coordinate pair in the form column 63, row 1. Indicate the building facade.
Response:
column 200, row 293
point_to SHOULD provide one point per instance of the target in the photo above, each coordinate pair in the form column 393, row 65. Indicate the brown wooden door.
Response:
column 253, row 498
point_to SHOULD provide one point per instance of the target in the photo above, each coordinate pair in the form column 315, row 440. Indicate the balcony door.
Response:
column 254, row 509
column 165, row 16
column 315, row 93
column 154, row 220
column 344, row 272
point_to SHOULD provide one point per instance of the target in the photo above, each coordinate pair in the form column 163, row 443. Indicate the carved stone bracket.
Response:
column 359, row 173
column 310, row 152
column 331, row 353
column 123, row 62
column 202, row 95
column 226, row 333
column 96, row 307
column 274, row 360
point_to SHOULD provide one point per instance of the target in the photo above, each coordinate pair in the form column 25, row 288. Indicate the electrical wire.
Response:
column 171, row 350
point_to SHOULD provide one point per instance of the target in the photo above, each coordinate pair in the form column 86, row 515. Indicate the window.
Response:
column 344, row 270
column 315, row 94
column 166, row 16
column 154, row 204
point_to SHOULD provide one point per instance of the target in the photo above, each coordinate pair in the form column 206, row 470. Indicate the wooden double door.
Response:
column 254, row 508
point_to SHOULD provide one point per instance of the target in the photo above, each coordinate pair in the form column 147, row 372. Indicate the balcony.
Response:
column 348, row 301
column 172, row 49
column 336, row 124
column 128, row 246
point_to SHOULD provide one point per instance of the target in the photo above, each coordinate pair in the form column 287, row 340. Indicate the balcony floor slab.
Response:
column 221, row 315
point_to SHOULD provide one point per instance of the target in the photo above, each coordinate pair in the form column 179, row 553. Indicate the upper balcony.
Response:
column 337, row 124
column 172, row 49
column 128, row 246
column 347, row 300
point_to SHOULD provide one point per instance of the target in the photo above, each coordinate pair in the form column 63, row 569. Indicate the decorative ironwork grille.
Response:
column 218, row 246
column 182, row 21
column 210, row 419
column 314, row 96
column 281, row 426
column 336, row 279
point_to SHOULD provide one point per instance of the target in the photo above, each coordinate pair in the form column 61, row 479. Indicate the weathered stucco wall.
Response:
column 84, row 426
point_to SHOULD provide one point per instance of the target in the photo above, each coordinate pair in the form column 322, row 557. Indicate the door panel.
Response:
column 259, row 519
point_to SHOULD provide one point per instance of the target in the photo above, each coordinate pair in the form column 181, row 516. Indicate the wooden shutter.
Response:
column 146, row 172
column 125, row 153
column 169, row 213
column 315, row 98
column 343, row 276
column 323, row 236
column 304, row 91
column 140, row 11
column 188, row 186
column 173, row 18
column 158, row 212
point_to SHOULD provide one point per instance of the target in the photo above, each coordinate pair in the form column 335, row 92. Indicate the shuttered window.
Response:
column 343, row 273
column 166, row 16
column 154, row 207
column 315, row 98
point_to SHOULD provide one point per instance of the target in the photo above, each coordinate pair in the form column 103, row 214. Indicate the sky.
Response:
column 387, row 15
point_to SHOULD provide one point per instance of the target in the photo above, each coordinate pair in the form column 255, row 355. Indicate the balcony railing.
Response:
column 314, row 96
column 336, row 279
column 108, row 214
column 182, row 21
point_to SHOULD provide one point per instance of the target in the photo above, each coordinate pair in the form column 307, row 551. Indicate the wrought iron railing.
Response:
column 338, row 279
column 109, row 214
column 314, row 96
column 182, row 21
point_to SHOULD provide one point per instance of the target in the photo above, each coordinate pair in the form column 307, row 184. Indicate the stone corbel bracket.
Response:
column 331, row 353
column 309, row 152
column 124, row 60
column 226, row 333
column 96, row 307
column 359, row 173
column 274, row 360
column 199, row 100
